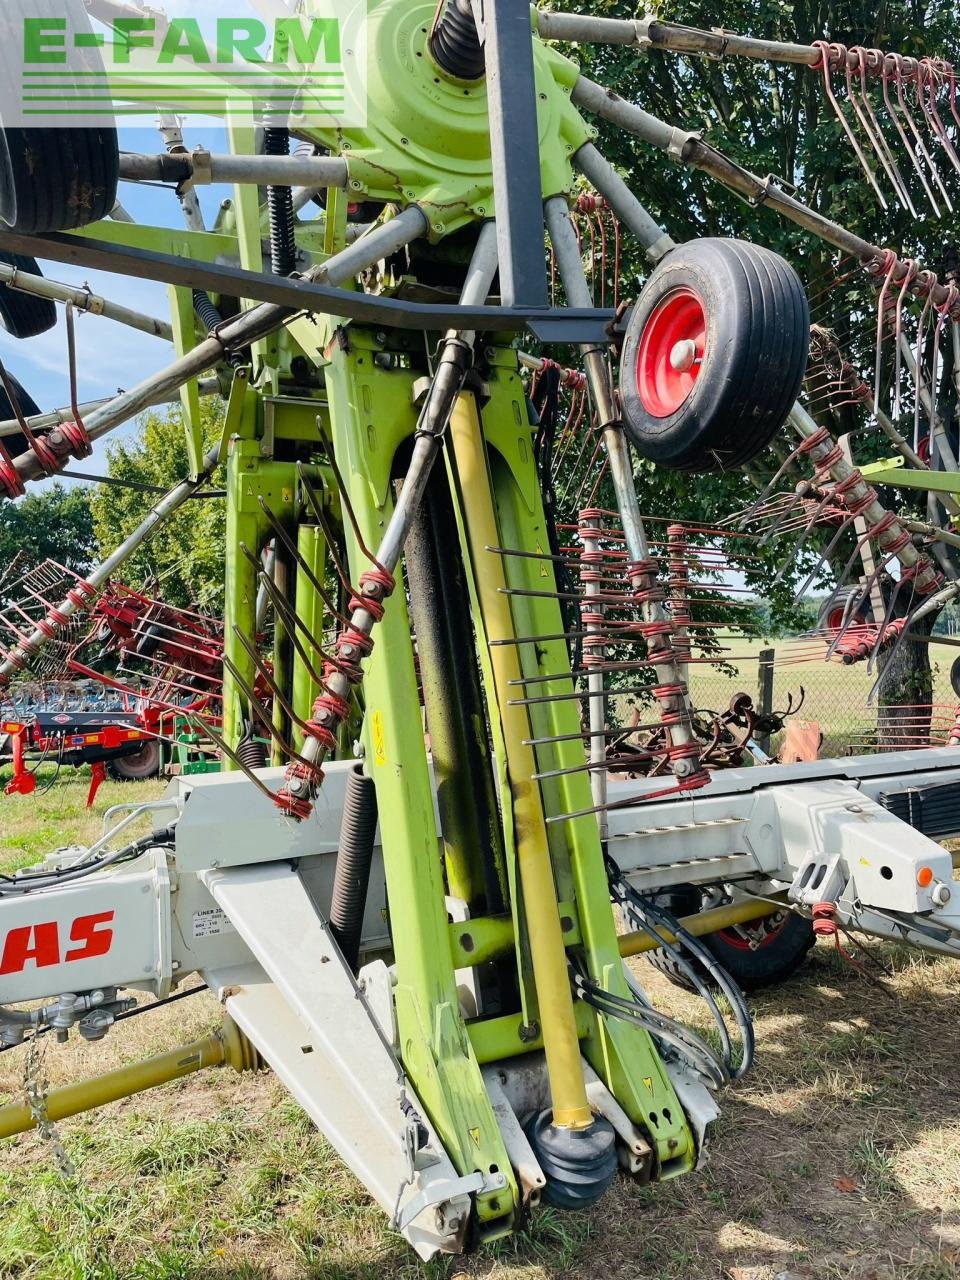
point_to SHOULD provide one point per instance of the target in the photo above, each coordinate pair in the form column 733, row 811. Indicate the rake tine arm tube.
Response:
column 84, row 300
column 86, row 589
column 453, row 366
column 875, row 514
column 649, row 33
column 251, row 326
column 570, row 269
column 201, row 167
column 44, row 421
column 605, row 179
column 690, row 149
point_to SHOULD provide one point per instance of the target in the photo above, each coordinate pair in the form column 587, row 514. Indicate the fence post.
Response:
column 765, row 693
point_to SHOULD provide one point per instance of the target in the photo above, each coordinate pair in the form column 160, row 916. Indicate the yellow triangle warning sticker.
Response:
column 475, row 1135
column 544, row 571
column 648, row 1081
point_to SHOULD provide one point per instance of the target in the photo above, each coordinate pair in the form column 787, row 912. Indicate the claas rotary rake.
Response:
column 407, row 912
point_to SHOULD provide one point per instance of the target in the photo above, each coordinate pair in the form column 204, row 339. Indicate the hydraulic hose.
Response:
column 354, row 859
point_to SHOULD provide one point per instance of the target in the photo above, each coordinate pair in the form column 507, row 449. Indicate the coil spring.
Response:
column 252, row 753
column 283, row 223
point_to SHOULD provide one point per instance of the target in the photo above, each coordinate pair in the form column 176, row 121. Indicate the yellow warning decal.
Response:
column 648, row 1081
column 475, row 1135
column 544, row 570
column 379, row 740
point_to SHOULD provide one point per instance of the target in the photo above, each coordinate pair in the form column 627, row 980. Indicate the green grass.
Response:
column 838, row 1157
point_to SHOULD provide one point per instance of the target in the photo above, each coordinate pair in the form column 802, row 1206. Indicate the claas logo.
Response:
column 42, row 946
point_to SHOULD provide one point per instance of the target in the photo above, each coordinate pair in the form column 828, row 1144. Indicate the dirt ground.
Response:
column 839, row 1156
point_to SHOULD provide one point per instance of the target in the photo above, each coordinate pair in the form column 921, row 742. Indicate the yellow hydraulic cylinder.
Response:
column 226, row 1047
column 634, row 944
column 558, row 1024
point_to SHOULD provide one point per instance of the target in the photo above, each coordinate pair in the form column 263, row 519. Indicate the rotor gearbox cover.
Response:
column 714, row 355
column 427, row 135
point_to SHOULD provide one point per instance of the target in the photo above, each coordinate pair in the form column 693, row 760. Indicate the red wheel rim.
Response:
column 738, row 941
column 671, row 350
column 835, row 618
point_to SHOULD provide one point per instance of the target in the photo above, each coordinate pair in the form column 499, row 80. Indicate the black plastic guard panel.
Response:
column 934, row 809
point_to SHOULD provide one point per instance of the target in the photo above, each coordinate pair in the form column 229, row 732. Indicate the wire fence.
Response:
column 840, row 699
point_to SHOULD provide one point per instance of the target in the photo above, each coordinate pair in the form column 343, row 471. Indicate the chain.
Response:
column 37, row 1088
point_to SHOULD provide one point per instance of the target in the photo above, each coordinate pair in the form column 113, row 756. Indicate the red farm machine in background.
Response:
column 119, row 687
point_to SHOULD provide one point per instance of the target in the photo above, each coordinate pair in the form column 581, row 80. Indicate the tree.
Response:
column 775, row 120
column 56, row 524
column 186, row 554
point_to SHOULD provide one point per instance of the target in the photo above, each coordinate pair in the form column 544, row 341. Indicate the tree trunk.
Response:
column 905, row 694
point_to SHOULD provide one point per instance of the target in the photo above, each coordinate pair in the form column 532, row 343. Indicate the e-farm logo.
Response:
column 308, row 67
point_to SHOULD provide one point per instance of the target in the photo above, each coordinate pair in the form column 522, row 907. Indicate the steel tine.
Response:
column 861, row 114
column 824, row 558
column 749, row 513
column 917, row 372
column 271, row 684
column 827, row 51
column 261, row 714
column 887, row 618
column 799, row 545
column 221, row 745
column 288, row 614
column 894, row 114
column 351, row 514
column 277, row 526
column 893, row 652
column 928, row 73
column 873, row 60
column 921, row 145
column 324, row 523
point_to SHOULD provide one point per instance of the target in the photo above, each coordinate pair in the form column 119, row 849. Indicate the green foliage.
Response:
column 772, row 120
column 56, row 524
column 186, row 553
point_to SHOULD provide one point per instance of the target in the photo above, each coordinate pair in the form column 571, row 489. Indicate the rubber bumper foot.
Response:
column 579, row 1164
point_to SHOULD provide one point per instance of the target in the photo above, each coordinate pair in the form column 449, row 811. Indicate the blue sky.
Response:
column 110, row 355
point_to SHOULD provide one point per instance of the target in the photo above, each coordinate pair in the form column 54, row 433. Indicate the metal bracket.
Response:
column 642, row 27
column 676, row 148
column 440, row 1192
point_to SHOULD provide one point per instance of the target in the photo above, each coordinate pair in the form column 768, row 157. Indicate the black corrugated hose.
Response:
column 354, row 859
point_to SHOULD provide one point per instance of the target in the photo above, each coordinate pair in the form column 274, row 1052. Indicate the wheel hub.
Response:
column 671, row 352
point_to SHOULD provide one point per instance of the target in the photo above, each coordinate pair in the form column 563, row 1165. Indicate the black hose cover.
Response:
column 283, row 222
column 355, row 856
column 455, row 43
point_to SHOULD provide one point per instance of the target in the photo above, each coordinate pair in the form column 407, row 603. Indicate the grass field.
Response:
column 838, row 1157
column 836, row 697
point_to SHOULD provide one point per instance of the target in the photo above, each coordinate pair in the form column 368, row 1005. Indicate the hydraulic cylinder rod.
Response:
column 560, row 1040
column 226, row 1047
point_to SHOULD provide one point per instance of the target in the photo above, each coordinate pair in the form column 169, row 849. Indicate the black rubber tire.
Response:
column 54, row 179
column 833, row 611
column 22, row 314
column 16, row 444
column 955, row 676
column 139, row 767
column 768, row 966
column 755, row 356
